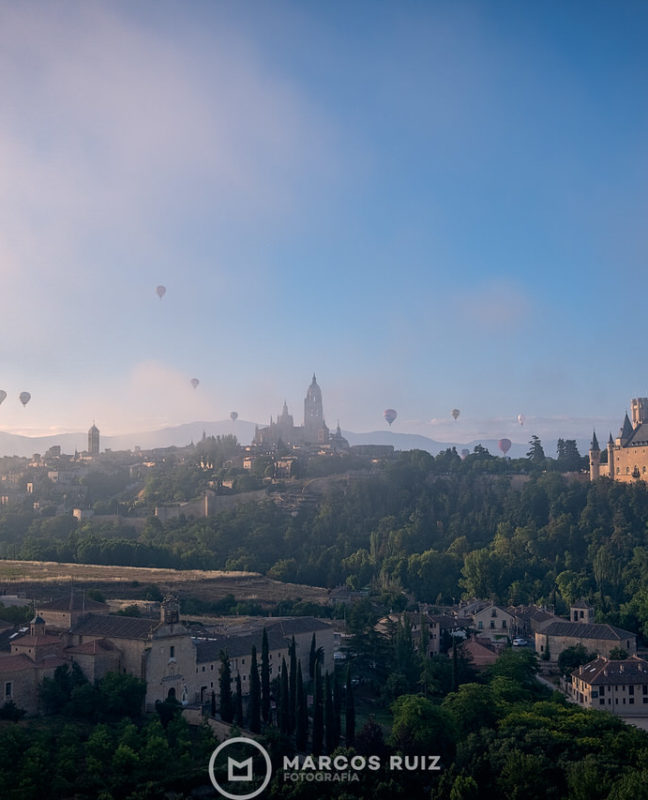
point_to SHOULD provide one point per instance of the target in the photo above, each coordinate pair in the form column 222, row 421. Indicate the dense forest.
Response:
column 426, row 528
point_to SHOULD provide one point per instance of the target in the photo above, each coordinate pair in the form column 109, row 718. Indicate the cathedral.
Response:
column 626, row 457
column 313, row 431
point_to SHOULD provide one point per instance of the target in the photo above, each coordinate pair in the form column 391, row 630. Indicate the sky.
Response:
column 429, row 205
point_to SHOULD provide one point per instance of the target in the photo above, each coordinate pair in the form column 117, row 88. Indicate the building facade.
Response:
column 617, row 686
column 625, row 458
column 313, row 431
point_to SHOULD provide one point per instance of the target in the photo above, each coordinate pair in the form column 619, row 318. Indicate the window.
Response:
column 601, row 702
column 172, row 651
column 631, row 690
column 494, row 613
column 503, row 623
column 8, row 689
column 480, row 625
column 492, row 624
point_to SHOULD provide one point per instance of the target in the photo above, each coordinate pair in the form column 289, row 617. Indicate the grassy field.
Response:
column 48, row 578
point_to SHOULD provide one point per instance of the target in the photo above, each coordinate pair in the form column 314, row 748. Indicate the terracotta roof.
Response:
column 582, row 630
column 294, row 625
column 16, row 663
column 36, row 641
column 115, row 627
column 604, row 672
column 76, row 602
column 93, row 647
column 481, row 656
column 239, row 646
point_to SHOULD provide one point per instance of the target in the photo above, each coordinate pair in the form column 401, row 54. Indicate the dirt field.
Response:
column 41, row 579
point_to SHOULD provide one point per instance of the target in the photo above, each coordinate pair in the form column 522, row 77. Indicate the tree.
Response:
column 536, row 454
column 265, row 677
column 238, row 702
column 254, row 704
column 284, row 699
column 225, row 686
column 572, row 657
column 292, row 685
column 422, row 727
column 349, row 724
column 318, row 712
column 329, row 716
column 301, row 721
column 618, row 654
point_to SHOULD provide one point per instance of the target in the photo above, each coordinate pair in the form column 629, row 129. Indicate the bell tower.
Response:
column 313, row 413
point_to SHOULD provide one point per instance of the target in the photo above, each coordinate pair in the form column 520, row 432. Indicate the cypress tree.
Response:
column 292, row 681
column 329, row 716
column 284, row 700
column 225, row 683
column 350, row 710
column 265, row 678
column 312, row 658
column 301, row 721
column 238, row 701
column 337, row 707
column 318, row 713
column 254, row 706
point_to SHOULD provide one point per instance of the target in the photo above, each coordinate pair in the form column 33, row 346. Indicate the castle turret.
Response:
column 625, row 434
column 595, row 458
column 639, row 411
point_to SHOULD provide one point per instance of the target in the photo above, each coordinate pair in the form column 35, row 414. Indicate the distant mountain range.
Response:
column 182, row 435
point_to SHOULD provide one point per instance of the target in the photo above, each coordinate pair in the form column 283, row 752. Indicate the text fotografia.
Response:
column 342, row 769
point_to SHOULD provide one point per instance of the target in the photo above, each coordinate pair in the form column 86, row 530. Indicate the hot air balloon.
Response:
column 390, row 415
column 194, row 382
column 521, row 419
column 465, row 452
column 455, row 413
column 234, row 416
column 3, row 394
column 25, row 397
column 161, row 291
column 504, row 445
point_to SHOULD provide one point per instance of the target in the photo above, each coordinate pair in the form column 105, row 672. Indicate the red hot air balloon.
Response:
column 25, row 397
column 390, row 415
column 504, row 445
column 194, row 382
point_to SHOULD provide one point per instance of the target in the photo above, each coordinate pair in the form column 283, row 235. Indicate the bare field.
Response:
column 40, row 578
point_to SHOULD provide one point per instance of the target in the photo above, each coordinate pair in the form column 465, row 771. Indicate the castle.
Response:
column 314, row 430
column 626, row 457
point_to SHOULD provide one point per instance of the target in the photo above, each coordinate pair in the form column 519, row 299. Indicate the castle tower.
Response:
column 93, row 440
column 625, row 434
column 610, row 449
column 314, row 426
column 639, row 411
column 595, row 458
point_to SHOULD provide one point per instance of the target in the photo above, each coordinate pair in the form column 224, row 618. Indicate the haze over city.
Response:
column 429, row 205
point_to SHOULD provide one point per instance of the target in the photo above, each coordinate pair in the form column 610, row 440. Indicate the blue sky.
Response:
column 428, row 204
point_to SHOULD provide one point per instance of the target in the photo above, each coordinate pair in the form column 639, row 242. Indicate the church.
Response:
column 626, row 457
column 314, row 430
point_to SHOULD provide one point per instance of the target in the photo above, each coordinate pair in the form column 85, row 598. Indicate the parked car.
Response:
column 519, row 642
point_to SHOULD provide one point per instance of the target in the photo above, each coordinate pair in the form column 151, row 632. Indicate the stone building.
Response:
column 617, row 686
column 557, row 635
column 626, row 457
column 93, row 440
column 313, row 431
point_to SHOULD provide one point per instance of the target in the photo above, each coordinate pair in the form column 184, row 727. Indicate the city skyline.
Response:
column 430, row 206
